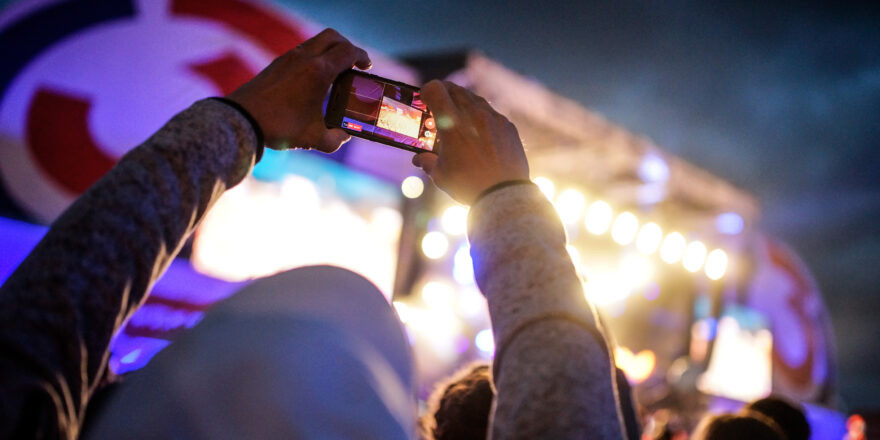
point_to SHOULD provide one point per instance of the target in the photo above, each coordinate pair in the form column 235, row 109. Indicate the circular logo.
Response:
column 83, row 82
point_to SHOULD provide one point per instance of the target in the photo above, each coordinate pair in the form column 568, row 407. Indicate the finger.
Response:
column 322, row 42
column 441, row 105
column 344, row 55
column 459, row 94
column 465, row 101
column 333, row 139
column 484, row 104
column 426, row 161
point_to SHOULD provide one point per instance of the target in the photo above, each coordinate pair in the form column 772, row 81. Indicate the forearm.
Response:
column 552, row 369
column 60, row 308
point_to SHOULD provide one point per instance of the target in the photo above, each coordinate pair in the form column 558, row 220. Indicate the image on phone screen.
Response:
column 388, row 111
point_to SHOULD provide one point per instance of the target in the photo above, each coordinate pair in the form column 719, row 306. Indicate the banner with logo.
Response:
column 84, row 81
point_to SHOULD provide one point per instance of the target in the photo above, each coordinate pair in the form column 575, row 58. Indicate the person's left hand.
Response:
column 287, row 97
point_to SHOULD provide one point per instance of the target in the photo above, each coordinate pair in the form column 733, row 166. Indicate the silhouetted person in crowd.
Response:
column 789, row 416
column 738, row 427
column 460, row 405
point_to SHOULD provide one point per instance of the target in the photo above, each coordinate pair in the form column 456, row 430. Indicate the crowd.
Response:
column 315, row 352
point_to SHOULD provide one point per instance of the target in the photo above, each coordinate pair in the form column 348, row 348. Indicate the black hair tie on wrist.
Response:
column 501, row 185
column 258, row 132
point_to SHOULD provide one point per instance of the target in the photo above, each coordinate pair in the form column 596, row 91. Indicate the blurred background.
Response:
column 745, row 134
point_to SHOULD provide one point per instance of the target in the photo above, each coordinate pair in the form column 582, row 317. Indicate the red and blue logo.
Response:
column 84, row 81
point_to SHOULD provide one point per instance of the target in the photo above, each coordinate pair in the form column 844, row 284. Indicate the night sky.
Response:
column 782, row 100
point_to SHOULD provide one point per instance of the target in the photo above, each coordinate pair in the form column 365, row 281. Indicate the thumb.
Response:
column 333, row 139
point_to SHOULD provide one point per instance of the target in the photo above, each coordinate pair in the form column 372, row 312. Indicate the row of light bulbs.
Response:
column 598, row 219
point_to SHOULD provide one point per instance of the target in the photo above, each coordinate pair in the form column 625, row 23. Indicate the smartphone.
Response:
column 381, row 110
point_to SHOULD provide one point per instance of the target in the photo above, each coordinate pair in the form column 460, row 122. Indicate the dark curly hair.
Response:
column 459, row 406
column 788, row 415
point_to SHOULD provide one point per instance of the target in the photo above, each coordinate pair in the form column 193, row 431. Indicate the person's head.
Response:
column 459, row 406
column 752, row 426
column 790, row 417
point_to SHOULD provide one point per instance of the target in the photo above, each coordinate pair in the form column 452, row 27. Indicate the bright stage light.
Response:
column 438, row 295
column 434, row 245
column 386, row 223
column 598, row 217
column 574, row 254
column 412, row 187
column 463, row 265
column 636, row 270
column 570, row 205
column 694, row 256
column 672, row 248
column 624, row 229
column 606, row 288
column 485, row 342
column 454, row 220
column 546, row 186
column 402, row 311
column 716, row 264
column 636, row 367
column 649, row 238
column 472, row 305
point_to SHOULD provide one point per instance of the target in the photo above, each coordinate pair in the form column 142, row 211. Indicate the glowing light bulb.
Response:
column 485, row 342
column 454, row 220
column 694, row 256
column 412, row 187
column 570, row 205
column 598, row 217
column 716, row 264
column 649, row 238
column 434, row 245
column 672, row 248
column 546, row 186
column 624, row 229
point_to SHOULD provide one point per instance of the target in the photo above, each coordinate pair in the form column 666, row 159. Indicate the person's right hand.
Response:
column 476, row 146
column 287, row 97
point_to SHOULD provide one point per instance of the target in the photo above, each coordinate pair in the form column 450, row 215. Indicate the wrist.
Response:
column 258, row 131
column 498, row 186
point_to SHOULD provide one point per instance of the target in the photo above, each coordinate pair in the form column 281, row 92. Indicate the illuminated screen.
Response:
column 389, row 111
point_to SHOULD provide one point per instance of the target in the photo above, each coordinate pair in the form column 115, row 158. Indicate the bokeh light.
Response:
column 546, row 186
column 694, row 256
column 672, row 247
column 716, row 264
column 435, row 244
column 454, row 220
column 649, row 238
column 598, row 217
column 485, row 342
column 624, row 229
column 412, row 187
column 570, row 205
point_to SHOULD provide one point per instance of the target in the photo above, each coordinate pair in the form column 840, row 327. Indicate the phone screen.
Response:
column 387, row 111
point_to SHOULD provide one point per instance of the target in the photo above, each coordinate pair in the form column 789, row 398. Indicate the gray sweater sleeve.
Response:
column 552, row 370
column 95, row 266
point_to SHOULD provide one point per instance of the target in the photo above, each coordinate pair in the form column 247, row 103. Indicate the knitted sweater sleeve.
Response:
column 95, row 266
column 552, row 370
